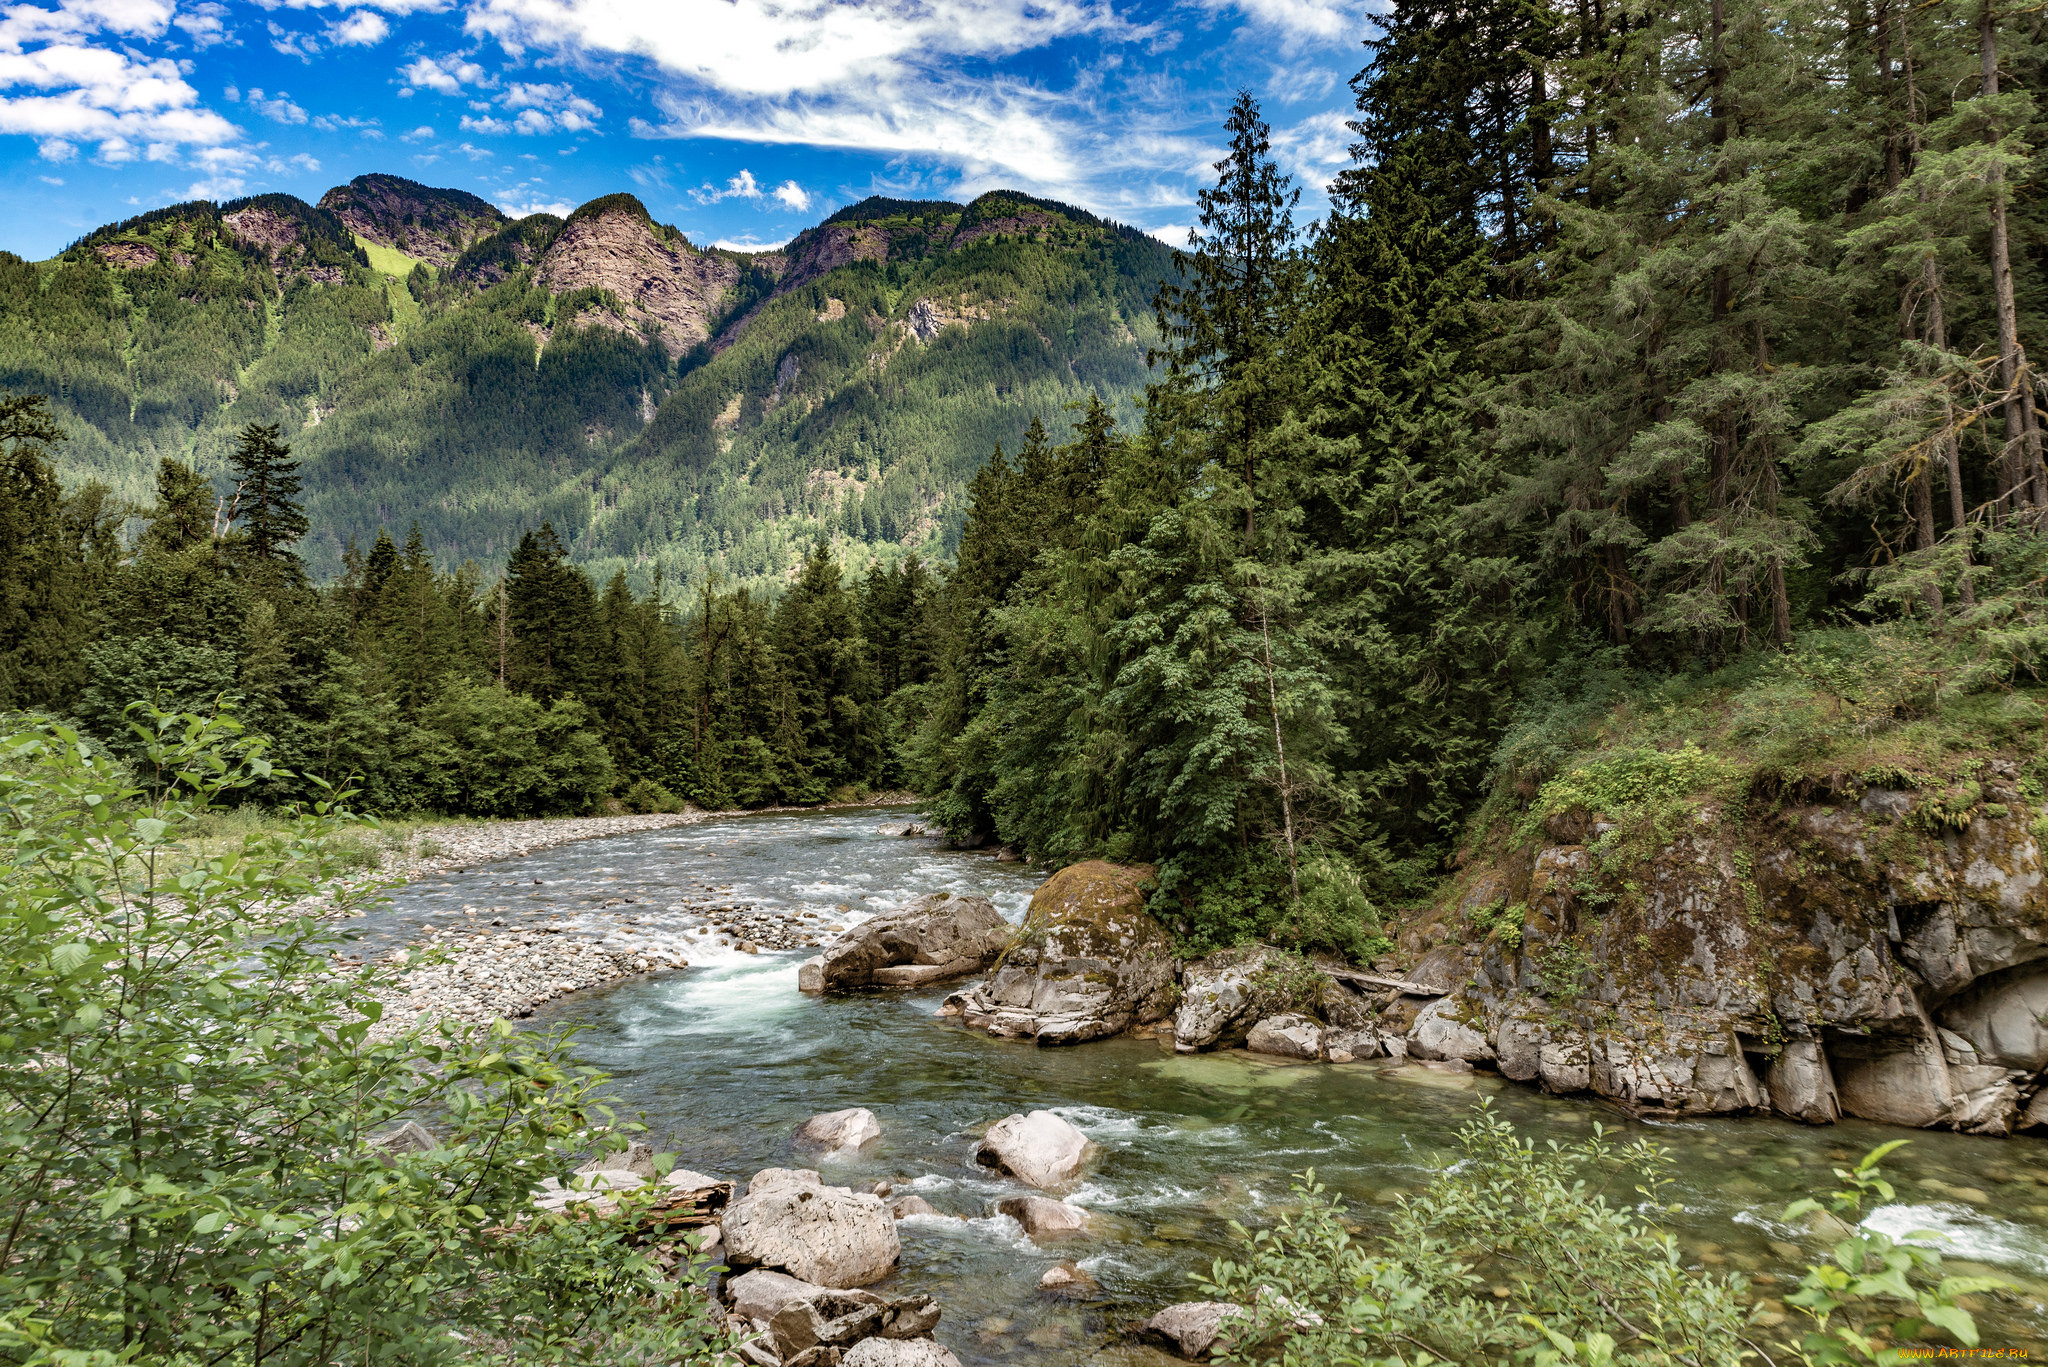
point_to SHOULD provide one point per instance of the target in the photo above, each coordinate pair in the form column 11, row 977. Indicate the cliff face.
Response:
column 662, row 284
column 436, row 226
column 1880, row 953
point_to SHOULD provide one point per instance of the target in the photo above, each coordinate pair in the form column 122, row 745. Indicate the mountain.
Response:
column 663, row 404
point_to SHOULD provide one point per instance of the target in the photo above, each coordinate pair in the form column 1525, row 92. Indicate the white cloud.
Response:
column 304, row 163
column 1172, row 234
column 524, row 208
column 545, row 108
column 487, row 125
column 300, row 45
column 748, row 244
column 89, row 94
column 51, row 180
column 1301, row 23
column 80, row 18
column 278, row 107
column 741, row 186
column 204, row 24
column 361, row 28
column 765, row 47
column 793, row 196
column 56, row 149
column 446, row 76
column 1314, row 150
column 335, row 123
column 420, row 134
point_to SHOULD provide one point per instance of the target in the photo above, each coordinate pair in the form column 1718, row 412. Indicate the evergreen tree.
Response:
column 551, row 615
column 265, row 502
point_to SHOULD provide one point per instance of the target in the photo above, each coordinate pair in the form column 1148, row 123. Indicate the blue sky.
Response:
column 740, row 121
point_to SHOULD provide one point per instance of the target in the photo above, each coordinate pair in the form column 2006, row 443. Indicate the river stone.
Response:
column 757, row 1295
column 1040, row 1216
column 1221, row 998
column 2001, row 1017
column 411, row 1137
column 839, row 1131
column 1343, row 1046
column 1192, row 1326
column 769, row 1179
column 899, row 1353
column 638, row 1159
column 1069, row 1281
column 827, row 1235
column 1440, row 1032
column 937, row 936
column 1801, row 1084
column 1289, row 1035
column 906, row 1206
column 1039, row 1148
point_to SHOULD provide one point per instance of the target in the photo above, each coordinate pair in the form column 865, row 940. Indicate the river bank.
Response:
column 500, row 948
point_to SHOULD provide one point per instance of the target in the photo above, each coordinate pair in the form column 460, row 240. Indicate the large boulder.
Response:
column 830, row 1236
column 839, row 1131
column 757, row 1295
column 1192, row 1327
column 1288, row 1035
column 1223, row 995
column 935, row 937
column 1442, row 1032
column 1039, row 1148
column 841, row 1319
column 899, row 1353
column 1902, row 1080
column 1089, row 961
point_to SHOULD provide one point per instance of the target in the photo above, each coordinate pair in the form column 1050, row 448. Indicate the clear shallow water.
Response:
column 726, row 1058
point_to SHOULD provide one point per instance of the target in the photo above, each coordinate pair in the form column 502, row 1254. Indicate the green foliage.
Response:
column 1500, row 921
column 1873, row 1294
column 189, row 1163
column 1584, row 1276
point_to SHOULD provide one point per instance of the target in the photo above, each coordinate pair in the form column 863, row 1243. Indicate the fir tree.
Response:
column 266, row 504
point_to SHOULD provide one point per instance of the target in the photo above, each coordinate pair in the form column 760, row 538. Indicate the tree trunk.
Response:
column 2020, row 464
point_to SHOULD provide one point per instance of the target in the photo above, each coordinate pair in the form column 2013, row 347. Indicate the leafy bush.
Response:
column 1581, row 1273
column 498, row 753
column 190, row 1090
column 1334, row 912
column 1573, row 1278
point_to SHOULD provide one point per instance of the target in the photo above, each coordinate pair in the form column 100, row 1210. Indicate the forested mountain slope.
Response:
column 660, row 404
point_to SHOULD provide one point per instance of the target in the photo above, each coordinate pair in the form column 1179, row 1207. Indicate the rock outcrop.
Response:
column 1039, row 1148
column 830, row 1236
column 663, row 286
column 935, row 938
column 1088, row 961
column 1848, row 956
column 1223, row 996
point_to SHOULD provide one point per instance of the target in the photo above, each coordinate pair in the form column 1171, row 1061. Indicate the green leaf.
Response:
column 1953, row 1318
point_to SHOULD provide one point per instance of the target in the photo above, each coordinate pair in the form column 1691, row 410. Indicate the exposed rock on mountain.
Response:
column 661, row 284
column 436, row 226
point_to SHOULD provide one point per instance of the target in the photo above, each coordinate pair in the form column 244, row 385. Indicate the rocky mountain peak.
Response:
column 662, row 283
column 432, row 224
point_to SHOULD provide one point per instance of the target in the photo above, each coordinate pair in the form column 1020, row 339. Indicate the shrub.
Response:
column 1585, row 1280
column 190, row 1086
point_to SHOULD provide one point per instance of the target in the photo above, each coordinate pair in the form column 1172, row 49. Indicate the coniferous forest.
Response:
column 1648, row 355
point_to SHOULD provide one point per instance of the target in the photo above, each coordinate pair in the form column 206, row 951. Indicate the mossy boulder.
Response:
column 1089, row 961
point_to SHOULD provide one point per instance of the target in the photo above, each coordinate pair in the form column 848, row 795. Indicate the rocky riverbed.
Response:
column 499, row 946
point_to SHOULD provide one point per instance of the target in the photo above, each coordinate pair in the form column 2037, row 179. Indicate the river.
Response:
column 724, row 1059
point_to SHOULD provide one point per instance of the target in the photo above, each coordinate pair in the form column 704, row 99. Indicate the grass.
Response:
column 363, row 848
column 395, row 266
column 1844, row 711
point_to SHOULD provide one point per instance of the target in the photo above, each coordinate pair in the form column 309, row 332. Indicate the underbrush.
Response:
column 1846, row 710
